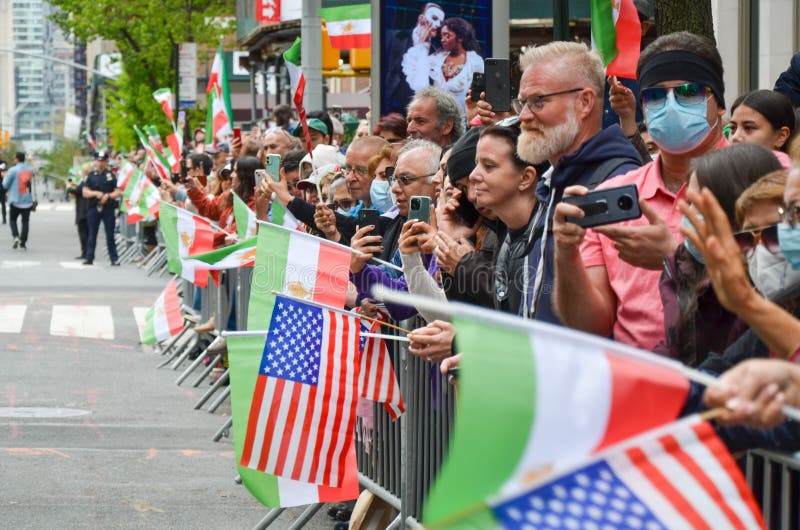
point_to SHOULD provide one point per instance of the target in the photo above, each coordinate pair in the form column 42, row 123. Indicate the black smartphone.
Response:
column 453, row 372
column 477, row 86
column 368, row 216
column 420, row 208
column 466, row 211
column 498, row 83
column 606, row 206
column 389, row 173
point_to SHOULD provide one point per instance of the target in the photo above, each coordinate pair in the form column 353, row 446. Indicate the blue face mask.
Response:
column 677, row 128
column 380, row 195
column 693, row 250
column 789, row 241
column 348, row 212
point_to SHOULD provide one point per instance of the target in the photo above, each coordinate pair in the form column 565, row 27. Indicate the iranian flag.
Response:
column 349, row 23
column 617, row 35
column 219, row 116
column 245, row 218
column 241, row 254
column 164, row 97
column 304, row 266
column 298, row 80
column 185, row 233
column 279, row 215
column 126, row 171
column 156, row 158
column 174, row 148
column 142, row 202
column 163, row 320
column 573, row 395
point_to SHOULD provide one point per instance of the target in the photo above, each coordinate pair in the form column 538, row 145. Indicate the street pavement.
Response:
column 92, row 435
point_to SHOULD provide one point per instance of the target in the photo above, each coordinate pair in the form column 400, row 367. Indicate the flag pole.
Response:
column 329, row 242
column 214, row 225
column 265, row 332
column 381, row 293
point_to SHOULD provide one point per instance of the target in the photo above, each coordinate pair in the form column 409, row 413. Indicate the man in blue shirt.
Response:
column 18, row 182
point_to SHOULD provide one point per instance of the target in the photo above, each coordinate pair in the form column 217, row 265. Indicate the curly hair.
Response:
column 463, row 31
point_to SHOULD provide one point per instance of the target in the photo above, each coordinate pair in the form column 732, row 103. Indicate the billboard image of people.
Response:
column 431, row 44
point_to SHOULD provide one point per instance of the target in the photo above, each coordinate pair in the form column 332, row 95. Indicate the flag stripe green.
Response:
column 511, row 369
column 604, row 33
column 149, row 330
column 168, row 223
column 351, row 12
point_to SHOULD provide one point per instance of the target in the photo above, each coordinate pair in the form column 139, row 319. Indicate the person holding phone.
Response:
column 607, row 278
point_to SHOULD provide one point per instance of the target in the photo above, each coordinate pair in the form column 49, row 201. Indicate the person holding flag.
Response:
column 102, row 192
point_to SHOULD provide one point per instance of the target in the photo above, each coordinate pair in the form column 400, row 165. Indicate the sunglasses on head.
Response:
column 748, row 240
column 687, row 94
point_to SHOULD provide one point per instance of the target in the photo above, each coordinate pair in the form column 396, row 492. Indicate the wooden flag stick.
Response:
column 386, row 337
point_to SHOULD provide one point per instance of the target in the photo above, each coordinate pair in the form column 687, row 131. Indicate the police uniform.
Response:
column 105, row 182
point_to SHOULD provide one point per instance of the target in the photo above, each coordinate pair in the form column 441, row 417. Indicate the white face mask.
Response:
column 772, row 275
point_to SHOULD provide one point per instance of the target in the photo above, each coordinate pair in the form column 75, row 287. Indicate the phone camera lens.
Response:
column 625, row 202
column 415, row 204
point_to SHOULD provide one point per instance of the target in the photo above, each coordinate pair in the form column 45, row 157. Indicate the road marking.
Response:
column 11, row 318
column 139, row 313
column 78, row 265
column 91, row 321
column 18, row 264
column 64, row 208
column 41, row 412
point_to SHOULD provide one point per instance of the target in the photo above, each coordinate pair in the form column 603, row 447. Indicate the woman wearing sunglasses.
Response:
column 694, row 321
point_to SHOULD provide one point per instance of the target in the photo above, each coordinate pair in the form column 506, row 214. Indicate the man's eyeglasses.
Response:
column 790, row 214
column 361, row 171
column 344, row 204
column 685, row 95
column 748, row 240
column 406, row 178
column 535, row 103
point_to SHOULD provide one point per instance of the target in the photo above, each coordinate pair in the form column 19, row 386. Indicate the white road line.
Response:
column 91, row 321
column 11, row 318
column 78, row 265
column 65, row 208
column 18, row 264
column 139, row 313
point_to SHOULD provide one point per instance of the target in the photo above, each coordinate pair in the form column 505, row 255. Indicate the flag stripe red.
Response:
column 286, row 438
column 174, row 319
column 302, row 447
column 321, row 411
column 355, row 40
column 272, row 416
column 338, row 385
column 330, row 286
column 672, row 447
column 252, row 421
column 352, row 391
column 706, row 434
column 665, row 487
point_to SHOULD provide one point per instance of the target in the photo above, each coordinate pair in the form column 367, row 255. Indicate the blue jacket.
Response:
column 575, row 168
column 788, row 83
column 18, row 182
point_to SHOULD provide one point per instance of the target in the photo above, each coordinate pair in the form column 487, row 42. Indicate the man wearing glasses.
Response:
column 607, row 282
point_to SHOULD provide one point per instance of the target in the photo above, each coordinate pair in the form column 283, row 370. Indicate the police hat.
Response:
column 100, row 155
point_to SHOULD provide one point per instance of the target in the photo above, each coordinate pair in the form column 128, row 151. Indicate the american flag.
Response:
column 682, row 477
column 378, row 382
column 303, row 411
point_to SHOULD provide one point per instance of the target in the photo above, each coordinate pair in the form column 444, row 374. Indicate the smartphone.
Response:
column 368, row 216
column 420, row 208
column 261, row 174
column 274, row 167
column 389, row 174
column 607, row 206
column 466, row 211
column 237, row 133
column 477, row 86
column 497, row 74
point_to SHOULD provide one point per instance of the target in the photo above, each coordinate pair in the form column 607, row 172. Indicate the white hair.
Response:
column 575, row 59
column 434, row 153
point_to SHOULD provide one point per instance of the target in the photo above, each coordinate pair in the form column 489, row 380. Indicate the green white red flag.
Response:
column 617, row 35
column 141, row 199
column 159, row 162
column 298, row 81
column 164, row 97
column 185, row 233
column 219, row 116
column 126, row 171
column 279, row 215
column 241, row 254
column 245, row 218
column 163, row 320
column 349, row 23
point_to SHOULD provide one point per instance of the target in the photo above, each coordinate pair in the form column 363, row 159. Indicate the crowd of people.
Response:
column 705, row 275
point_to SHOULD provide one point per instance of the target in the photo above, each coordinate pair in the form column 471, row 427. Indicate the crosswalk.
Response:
column 28, row 264
column 81, row 321
column 55, row 207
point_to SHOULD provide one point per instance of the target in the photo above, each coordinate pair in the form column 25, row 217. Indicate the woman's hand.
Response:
column 364, row 248
column 262, row 196
column 449, row 251
column 325, row 220
column 434, row 342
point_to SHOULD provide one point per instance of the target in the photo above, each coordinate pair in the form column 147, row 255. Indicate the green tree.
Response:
column 145, row 33
column 56, row 163
column 684, row 15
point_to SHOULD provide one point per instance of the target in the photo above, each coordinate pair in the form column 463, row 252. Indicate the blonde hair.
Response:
column 575, row 59
column 768, row 188
column 386, row 153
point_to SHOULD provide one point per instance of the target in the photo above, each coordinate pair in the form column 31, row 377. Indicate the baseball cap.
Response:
column 316, row 176
column 313, row 123
column 323, row 154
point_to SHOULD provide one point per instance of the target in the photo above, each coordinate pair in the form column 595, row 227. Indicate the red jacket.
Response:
column 219, row 209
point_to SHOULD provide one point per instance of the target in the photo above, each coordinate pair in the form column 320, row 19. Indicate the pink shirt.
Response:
column 640, row 313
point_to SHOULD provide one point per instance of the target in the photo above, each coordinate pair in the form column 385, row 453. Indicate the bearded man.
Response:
column 560, row 109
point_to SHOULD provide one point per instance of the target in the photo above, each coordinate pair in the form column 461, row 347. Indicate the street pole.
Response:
column 561, row 20
column 311, row 54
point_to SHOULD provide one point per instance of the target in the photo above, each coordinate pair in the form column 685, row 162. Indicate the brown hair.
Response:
column 386, row 153
column 768, row 188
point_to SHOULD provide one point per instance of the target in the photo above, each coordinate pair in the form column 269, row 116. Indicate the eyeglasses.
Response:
column 790, row 214
column 405, row 179
column 535, row 103
column 685, row 95
column 344, row 204
column 361, row 171
column 748, row 240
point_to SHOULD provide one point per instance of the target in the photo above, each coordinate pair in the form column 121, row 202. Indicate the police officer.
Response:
column 101, row 190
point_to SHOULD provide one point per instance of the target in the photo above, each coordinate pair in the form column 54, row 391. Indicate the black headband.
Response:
column 679, row 64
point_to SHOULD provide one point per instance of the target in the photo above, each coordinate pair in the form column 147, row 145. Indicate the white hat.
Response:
column 323, row 155
column 338, row 128
column 317, row 175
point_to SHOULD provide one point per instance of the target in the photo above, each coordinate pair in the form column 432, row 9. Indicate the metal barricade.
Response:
column 775, row 481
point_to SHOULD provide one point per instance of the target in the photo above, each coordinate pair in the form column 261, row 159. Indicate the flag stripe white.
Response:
column 358, row 26
column 301, row 266
column 284, row 402
column 329, row 405
column 589, row 375
column 261, row 425
column 318, row 405
column 295, row 493
column 297, row 430
column 12, row 317
column 348, row 397
column 139, row 314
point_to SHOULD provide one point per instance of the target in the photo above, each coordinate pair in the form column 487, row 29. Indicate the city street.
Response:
column 92, row 435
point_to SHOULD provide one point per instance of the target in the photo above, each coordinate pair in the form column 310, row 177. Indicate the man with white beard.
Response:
column 560, row 109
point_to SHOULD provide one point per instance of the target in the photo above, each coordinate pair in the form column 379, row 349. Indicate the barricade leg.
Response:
column 305, row 517
column 186, row 352
column 224, row 429
column 221, row 399
column 188, row 344
column 197, row 362
column 210, row 392
column 268, row 519
column 207, row 371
